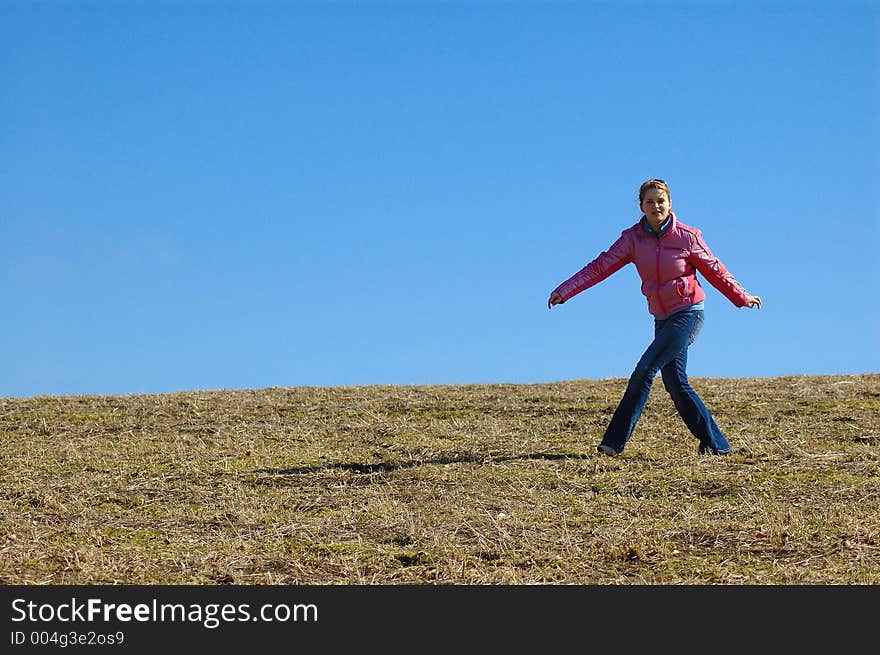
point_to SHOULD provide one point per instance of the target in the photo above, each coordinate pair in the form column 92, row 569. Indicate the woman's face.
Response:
column 656, row 206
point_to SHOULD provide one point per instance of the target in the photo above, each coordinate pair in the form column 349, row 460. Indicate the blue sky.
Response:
column 230, row 195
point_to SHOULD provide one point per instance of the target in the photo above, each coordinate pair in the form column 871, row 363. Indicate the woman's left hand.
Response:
column 753, row 301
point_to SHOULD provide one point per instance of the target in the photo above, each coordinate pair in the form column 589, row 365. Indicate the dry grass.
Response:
column 472, row 484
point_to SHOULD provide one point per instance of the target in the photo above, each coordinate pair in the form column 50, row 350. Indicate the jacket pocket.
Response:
column 669, row 293
column 685, row 287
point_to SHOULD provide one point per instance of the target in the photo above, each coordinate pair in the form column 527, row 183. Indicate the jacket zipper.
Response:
column 657, row 268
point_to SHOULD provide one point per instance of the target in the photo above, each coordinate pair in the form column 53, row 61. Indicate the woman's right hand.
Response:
column 753, row 301
column 555, row 299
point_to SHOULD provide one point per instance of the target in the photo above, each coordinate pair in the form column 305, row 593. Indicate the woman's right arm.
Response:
column 607, row 263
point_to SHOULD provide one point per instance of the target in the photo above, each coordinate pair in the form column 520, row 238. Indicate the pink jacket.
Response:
column 667, row 266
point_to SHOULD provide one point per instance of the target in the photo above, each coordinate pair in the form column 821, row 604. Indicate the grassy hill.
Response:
column 471, row 484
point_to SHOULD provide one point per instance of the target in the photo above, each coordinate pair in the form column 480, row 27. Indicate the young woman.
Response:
column 667, row 254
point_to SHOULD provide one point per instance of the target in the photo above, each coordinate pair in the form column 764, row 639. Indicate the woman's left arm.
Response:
column 717, row 275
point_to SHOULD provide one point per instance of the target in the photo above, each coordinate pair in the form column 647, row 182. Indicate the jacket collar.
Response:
column 667, row 225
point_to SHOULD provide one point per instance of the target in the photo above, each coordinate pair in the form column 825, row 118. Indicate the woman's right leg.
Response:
column 671, row 336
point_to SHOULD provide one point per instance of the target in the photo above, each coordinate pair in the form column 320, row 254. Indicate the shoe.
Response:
column 606, row 450
column 704, row 450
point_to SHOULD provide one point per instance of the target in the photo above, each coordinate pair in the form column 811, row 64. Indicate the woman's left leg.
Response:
column 690, row 407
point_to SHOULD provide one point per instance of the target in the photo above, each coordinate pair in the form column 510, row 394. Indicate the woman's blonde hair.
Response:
column 653, row 183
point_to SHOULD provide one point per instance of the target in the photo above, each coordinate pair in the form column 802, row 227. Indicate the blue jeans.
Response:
column 667, row 354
